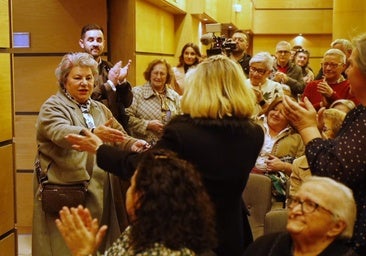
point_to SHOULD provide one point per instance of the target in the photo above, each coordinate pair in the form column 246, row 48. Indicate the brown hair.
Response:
column 152, row 64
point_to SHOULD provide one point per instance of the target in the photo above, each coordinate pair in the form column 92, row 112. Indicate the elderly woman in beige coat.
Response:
column 71, row 110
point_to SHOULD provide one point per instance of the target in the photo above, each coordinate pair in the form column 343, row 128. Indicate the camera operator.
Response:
column 240, row 52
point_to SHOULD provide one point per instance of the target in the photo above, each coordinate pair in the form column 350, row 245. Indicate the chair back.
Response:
column 258, row 199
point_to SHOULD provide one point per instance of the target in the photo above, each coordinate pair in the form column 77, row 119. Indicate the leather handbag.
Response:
column 55, row 196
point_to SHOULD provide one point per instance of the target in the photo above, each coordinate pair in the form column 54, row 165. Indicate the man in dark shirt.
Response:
column 111, row 87
column 239, row 54
column 287, row 72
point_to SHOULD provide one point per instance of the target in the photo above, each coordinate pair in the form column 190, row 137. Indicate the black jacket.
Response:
column 280, row 244
column 224, row 151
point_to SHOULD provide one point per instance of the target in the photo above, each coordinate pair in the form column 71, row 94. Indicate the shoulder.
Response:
column 273, row 84
column 142, row 90
column 345, row 82
column 105, row 63
column 99, row 105
column 178, row 70
column 59, row 100
column 276, row 243
column 229, row 124
column 338, row 247
column 313, row 84
column 170, row 93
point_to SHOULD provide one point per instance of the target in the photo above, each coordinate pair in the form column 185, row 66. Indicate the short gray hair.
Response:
column 263, row 57
column 336, row 52
column 345, row 42
column 340, row 201
column 283, row 43
column 71, row 60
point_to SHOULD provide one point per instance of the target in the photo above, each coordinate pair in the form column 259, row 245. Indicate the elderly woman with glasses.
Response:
column 320, row 221
column 266, row 90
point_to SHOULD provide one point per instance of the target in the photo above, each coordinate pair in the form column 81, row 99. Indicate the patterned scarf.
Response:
column 85, row 109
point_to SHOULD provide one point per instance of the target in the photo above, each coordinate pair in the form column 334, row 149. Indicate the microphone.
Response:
column 207, row 39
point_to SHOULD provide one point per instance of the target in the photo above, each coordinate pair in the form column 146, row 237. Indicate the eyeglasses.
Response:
column 307, row 206
column 284, row 52
column 331, row 64
column 259, row 71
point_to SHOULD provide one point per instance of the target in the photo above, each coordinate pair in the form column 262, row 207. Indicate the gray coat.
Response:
column 58, row 117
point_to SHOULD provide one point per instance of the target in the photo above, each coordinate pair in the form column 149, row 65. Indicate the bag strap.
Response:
column 42, row 176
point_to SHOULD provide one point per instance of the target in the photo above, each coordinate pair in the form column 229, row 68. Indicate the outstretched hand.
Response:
column 81, row 233
column 108, row 134
column 88, row 142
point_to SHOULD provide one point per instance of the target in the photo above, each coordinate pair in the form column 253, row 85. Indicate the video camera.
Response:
column 219, row 44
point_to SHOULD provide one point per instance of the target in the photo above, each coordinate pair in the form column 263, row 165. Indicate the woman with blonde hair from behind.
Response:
column 212, row 134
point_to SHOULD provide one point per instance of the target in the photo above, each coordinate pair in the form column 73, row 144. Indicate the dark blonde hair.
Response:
column 217, row 88
column 152, row 64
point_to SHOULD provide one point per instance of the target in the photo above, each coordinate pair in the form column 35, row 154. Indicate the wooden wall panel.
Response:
column 55, row 25
column 25, row 144
column 5, row 27
column 212, row 8
column 154, row 29
column 6, row 113
column 7, row 245
column 293, row 4
column 7, row 203
column 349, row 19
column 122, row 40
column 292, row 22
column 34, row 81
column 24, row 199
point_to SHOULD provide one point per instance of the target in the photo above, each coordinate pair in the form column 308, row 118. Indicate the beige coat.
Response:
column 300, row 170
column 58, row 117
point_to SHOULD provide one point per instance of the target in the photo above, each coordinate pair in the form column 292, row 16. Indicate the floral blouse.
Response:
column 344, row 159
column 121, row 247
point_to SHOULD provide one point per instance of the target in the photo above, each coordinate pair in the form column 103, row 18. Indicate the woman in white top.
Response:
column 260, row 67
column 189, row 57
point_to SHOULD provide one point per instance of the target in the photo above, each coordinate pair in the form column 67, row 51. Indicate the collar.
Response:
column 339, row 80
column 148, row 92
